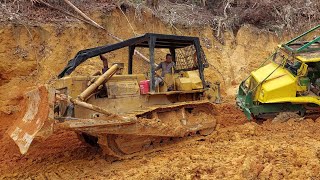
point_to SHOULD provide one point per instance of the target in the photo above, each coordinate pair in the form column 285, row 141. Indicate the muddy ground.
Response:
column 33, row 54
column 237, row 150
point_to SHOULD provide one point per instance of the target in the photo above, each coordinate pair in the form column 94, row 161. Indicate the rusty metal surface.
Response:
column 37, row 119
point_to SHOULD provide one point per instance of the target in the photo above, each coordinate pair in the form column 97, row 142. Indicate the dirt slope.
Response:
column 31, row 55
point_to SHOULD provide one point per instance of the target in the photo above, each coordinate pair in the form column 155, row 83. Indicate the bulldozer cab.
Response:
column 186, row 52
column 302, row 60
column 295, row 66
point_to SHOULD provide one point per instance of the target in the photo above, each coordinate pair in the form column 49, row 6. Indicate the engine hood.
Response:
column 281, row 83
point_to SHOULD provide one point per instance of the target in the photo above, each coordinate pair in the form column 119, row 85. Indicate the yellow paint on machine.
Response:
column 280, row 83
column 307, row 60
column 194, row 78
column 188, row 81
column 297, row 100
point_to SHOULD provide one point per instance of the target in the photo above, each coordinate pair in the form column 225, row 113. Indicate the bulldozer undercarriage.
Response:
column 153, row 130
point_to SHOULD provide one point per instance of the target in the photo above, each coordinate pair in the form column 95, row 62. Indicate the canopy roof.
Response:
column 305, row 51
column 160, row 41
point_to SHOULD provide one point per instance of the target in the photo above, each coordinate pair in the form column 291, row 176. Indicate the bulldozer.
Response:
column 125, row 114
column 287, row 82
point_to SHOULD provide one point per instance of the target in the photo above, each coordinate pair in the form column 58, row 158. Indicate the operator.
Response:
column 166, row 66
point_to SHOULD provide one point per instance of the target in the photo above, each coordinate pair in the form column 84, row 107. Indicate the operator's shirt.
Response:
column 166, row 68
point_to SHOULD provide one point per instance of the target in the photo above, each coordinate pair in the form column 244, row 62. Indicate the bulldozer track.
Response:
column 171, row 142
column 123, row 146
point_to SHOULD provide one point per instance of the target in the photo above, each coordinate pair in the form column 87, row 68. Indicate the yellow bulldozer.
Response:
column 125, row 114
column 288, row 81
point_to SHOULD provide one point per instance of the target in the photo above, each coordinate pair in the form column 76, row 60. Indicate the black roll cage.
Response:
column 148, row 40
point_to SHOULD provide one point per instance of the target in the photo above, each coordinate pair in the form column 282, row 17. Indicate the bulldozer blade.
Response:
column 35, row 119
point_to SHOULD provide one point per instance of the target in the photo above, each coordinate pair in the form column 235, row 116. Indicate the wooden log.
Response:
column 83, row 15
